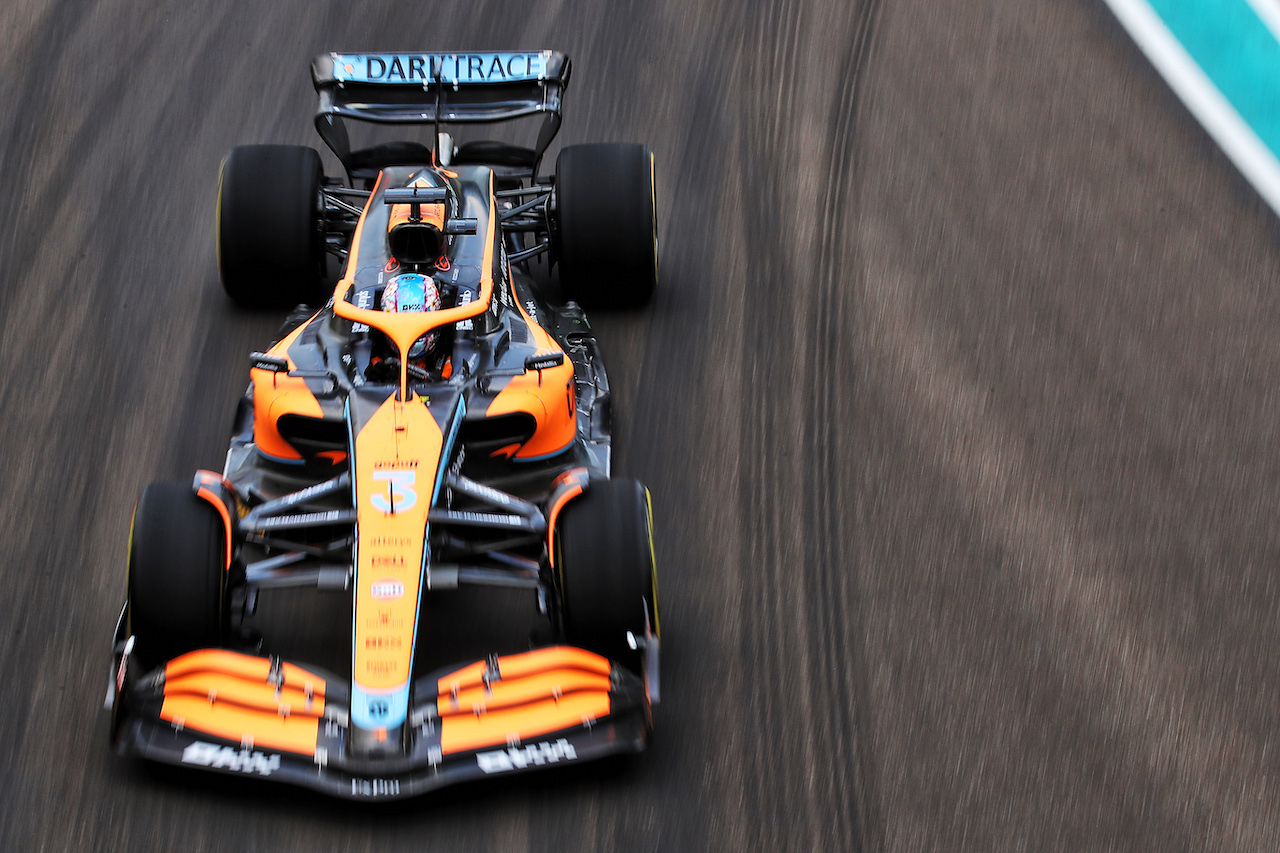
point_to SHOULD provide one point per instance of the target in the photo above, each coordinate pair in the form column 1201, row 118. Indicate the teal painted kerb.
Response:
column 1237, row 52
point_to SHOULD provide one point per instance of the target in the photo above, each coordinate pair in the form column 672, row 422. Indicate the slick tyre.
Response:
column 607, row 244
column 270, row 226
column 177, row 555
column 605, row 558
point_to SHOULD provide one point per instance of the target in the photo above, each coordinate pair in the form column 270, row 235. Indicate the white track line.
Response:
column 1269, row 12
column 1251, row 156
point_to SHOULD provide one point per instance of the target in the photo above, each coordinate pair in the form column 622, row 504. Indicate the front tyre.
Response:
column 604, row 555
column 177, row 560
column 607, row 245
column 271, row 226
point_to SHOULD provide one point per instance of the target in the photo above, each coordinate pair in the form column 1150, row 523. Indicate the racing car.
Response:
column 439, row 418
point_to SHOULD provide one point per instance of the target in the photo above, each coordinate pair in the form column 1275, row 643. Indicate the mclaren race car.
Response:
column 443, row 421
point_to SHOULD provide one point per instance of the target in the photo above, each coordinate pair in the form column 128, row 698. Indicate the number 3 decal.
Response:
column 400, row 494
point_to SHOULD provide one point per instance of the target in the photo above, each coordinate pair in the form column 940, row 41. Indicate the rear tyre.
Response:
column 607, row 580
column 607, row 245
column 271, row 226
column 177, row 555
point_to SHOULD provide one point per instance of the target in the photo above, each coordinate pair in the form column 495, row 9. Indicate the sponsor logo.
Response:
column 544, row 361
column 364, row 299
column 380, row 667
column 488, row 519
column 389, row 542
column 375, row 787
column 379, row 708
column 451, row 67
column 464, row 298
column 384, row 619
column 225, row 758
column 505, row 273
column 520, row 757
column 387, row 589
column 398, row 463
column 383, row 642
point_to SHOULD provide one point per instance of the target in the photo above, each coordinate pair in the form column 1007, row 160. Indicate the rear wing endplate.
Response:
column 442, row 88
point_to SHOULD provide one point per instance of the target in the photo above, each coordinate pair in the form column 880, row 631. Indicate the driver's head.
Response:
column 413, row 291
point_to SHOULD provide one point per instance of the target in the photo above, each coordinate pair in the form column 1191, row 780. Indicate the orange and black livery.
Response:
column 433, row 416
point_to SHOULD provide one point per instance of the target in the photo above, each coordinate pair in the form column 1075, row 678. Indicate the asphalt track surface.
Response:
column 958, row 403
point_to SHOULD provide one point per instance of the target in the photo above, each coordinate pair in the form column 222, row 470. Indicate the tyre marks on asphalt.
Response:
column 832, row 546
column 801, row 588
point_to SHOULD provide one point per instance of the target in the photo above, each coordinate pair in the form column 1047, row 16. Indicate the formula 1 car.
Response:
column 442, row 421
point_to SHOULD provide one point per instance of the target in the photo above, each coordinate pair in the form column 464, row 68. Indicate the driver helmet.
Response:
column 413, row 291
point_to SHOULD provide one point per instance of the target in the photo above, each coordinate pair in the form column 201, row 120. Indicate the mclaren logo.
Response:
column 520, row 757
column 225, row 758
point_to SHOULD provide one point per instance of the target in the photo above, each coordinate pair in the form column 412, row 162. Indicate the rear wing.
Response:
column 439, row 88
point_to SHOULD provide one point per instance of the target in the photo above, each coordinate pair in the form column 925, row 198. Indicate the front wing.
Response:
column 261, row 717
